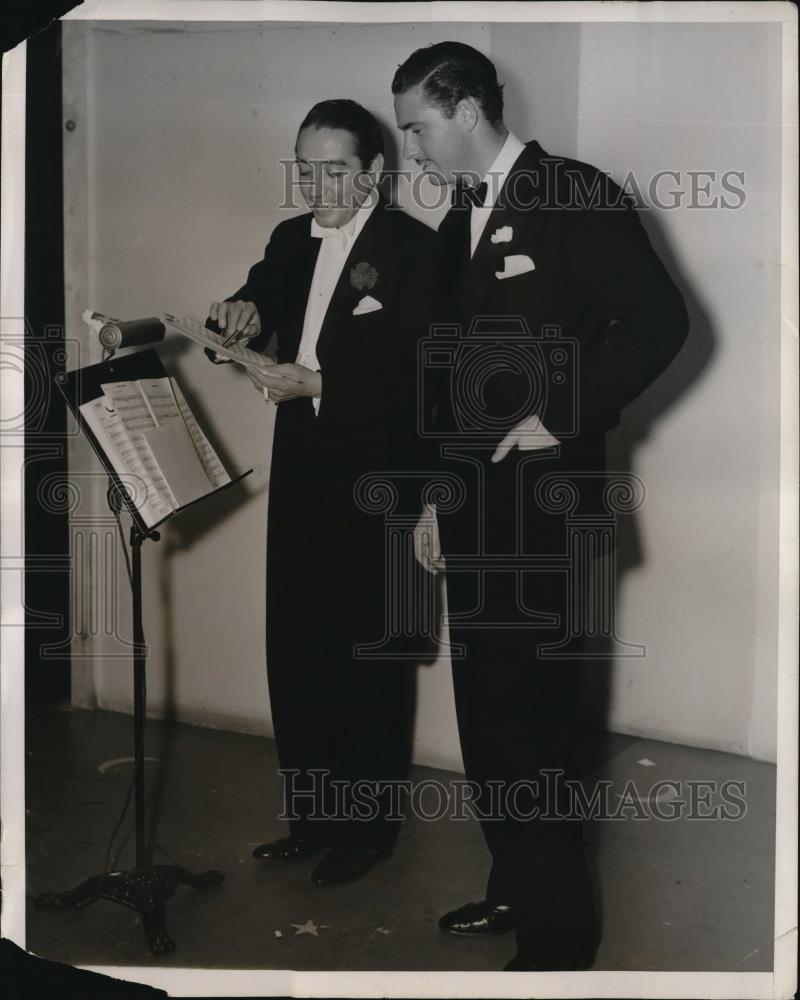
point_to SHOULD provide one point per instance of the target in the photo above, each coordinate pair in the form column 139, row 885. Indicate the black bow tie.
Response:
column 467, row 197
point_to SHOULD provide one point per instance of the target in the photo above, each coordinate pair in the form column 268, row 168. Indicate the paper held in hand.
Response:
column 156, row 446
column 202, row 335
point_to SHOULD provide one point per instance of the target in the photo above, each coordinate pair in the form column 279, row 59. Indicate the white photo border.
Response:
column 207, row 982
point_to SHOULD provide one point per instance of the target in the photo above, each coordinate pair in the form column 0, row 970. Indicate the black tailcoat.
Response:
column 334, row 710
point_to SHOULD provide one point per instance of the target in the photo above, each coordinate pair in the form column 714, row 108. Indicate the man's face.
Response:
column 438, row 144
column 332, row 180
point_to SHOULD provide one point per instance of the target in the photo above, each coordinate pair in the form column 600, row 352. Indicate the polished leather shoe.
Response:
column 568, row 961
column 478, row 918
column 342, row 865
column 287, row 849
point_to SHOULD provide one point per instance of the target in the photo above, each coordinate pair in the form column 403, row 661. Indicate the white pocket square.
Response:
column 514, row 264
column 367, row 305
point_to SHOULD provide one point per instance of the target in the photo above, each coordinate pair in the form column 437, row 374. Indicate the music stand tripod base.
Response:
column 145, row 890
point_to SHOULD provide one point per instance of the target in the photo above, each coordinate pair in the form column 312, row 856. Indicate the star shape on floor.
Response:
column 309, row 927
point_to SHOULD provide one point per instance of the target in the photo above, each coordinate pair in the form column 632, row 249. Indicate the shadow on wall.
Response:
column 634, row 429
column 637, row 420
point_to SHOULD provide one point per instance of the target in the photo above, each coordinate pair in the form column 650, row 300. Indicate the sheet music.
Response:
column 202, row 335
column 107, row 426
column 136, row 415
column 129, row 401
column 148, row 431
column 160, row 399
column 209, row 458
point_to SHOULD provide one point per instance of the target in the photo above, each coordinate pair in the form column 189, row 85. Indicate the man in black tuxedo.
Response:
column 346, row 291
column 564, row 315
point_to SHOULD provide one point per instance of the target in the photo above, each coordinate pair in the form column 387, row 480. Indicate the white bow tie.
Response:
column 326, row 232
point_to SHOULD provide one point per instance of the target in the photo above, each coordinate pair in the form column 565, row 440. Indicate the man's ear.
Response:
column 376, row 167
column 468, row 113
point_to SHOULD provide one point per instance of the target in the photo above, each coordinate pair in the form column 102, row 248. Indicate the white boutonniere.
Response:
column 367, row 305
column 505, row 234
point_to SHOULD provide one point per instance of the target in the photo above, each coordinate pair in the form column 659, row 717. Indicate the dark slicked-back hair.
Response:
column 351, row 117
column 448, row 72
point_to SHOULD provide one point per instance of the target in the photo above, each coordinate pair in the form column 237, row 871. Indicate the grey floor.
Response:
column 681, row 895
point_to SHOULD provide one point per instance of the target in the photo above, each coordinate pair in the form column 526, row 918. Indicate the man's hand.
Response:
column 284, row 382
column 427, row 548
column 256, row 374
column 528, row 435
column 239, row 320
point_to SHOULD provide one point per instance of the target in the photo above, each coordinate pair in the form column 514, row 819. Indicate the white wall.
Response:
column 704, row 595
column 177, row 136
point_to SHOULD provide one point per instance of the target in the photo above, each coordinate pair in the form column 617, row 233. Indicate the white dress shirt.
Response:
column 495, row 177
column 333, row 254
column 530, row 433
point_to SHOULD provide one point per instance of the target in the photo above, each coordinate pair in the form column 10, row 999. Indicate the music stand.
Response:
column 146, row 888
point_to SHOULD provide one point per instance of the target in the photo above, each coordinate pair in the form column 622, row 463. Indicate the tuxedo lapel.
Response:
column 488, row 257
column 515, row 209
column 372, row 246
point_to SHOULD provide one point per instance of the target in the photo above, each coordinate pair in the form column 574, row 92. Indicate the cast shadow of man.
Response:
column 597, row 744
column 622, row 443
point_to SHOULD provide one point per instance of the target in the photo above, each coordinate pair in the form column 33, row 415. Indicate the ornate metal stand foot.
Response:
column 145, row 890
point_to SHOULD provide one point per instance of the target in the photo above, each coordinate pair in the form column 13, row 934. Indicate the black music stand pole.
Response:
column 145, row 888
column 139, row 688
column 137, row 537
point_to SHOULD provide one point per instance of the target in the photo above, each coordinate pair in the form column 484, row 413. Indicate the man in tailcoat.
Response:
column 346, row 291
column 556, row 314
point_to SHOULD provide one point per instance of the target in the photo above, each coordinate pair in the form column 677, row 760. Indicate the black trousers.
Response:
column 341, row 720
column 340, row 726
column 508, row 594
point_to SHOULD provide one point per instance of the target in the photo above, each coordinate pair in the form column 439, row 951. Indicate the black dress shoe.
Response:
column 287, row 849
column 568, row 961
column 478, row 918
column 342, row 865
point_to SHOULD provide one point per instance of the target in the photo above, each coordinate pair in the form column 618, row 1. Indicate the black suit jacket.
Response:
column 597, row 286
